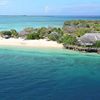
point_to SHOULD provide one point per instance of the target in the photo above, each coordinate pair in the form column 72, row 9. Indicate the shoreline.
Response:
column 41, row 43
column 82, row 49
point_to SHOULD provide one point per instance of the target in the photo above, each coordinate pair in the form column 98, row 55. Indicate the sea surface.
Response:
column 21, row 22
column 48, row 74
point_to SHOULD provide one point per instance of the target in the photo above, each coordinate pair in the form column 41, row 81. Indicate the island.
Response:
column 80, row 35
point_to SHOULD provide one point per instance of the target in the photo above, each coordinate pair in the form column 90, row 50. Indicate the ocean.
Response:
column 48, row 74
column 21, row 22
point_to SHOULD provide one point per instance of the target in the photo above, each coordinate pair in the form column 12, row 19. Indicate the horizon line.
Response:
column 53, row 15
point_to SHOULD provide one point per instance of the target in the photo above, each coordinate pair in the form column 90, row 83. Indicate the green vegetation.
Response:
column 48, row 33
column 3, row 33
column 67, row 39
column 53, row 36
column 43, row 32
column 81, row 31
column 97, row 44
column 68, row 34
column 11, row 33
column 80, row 27
column 14, row 33
column 33, row 36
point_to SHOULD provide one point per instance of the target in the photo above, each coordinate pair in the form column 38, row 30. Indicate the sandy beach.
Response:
column 42, row 43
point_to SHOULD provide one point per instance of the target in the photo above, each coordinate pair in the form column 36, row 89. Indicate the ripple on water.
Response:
column 48, row 75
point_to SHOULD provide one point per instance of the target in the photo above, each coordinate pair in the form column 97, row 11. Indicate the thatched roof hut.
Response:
column 89, row 39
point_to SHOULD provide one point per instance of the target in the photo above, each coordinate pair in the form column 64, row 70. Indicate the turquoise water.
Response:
column 48, row 74
column 20, row 22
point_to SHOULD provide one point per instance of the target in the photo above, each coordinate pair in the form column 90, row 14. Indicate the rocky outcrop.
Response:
column 82, row 49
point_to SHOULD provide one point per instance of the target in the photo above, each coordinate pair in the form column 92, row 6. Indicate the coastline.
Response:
column 41, row 43
column 83, row 49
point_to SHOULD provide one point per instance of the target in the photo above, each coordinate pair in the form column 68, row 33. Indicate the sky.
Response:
column 49, row 7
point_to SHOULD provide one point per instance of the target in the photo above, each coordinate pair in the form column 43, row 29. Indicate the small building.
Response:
column 6, row 36
column 89, row 39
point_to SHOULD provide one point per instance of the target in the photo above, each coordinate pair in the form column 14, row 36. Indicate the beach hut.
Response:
column 89, row 39
column 6, row 36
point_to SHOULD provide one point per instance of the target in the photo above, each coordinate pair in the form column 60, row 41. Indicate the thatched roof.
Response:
column 23, row 33
column 89, row 38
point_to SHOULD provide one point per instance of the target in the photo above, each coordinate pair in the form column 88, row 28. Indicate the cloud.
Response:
column 52, row 9
column 3, row 2
column 46, row 9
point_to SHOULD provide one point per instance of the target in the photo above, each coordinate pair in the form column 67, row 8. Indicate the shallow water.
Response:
column 48, row 74
column 20, row 22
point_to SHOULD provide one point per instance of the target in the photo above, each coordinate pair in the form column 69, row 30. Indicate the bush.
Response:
column 43, row 32
column 67, row 39
column 33, row 36
column 54, row 36
column 3, row 33
column 11, row 33
column 81, row 31
column 97, row 44
column 14, row 33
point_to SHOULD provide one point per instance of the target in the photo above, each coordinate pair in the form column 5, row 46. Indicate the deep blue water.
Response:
column 48, row 75
column 20, row 22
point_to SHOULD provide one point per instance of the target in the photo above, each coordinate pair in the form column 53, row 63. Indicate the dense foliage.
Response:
column 6, row 33
column 97, row 44
column 67, row 39
column 80, row 27
column 69, row 34
column 14, row 33
column 33, row 35
column 11, row 33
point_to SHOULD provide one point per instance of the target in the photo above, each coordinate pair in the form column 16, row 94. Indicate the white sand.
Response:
column 42, row 43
